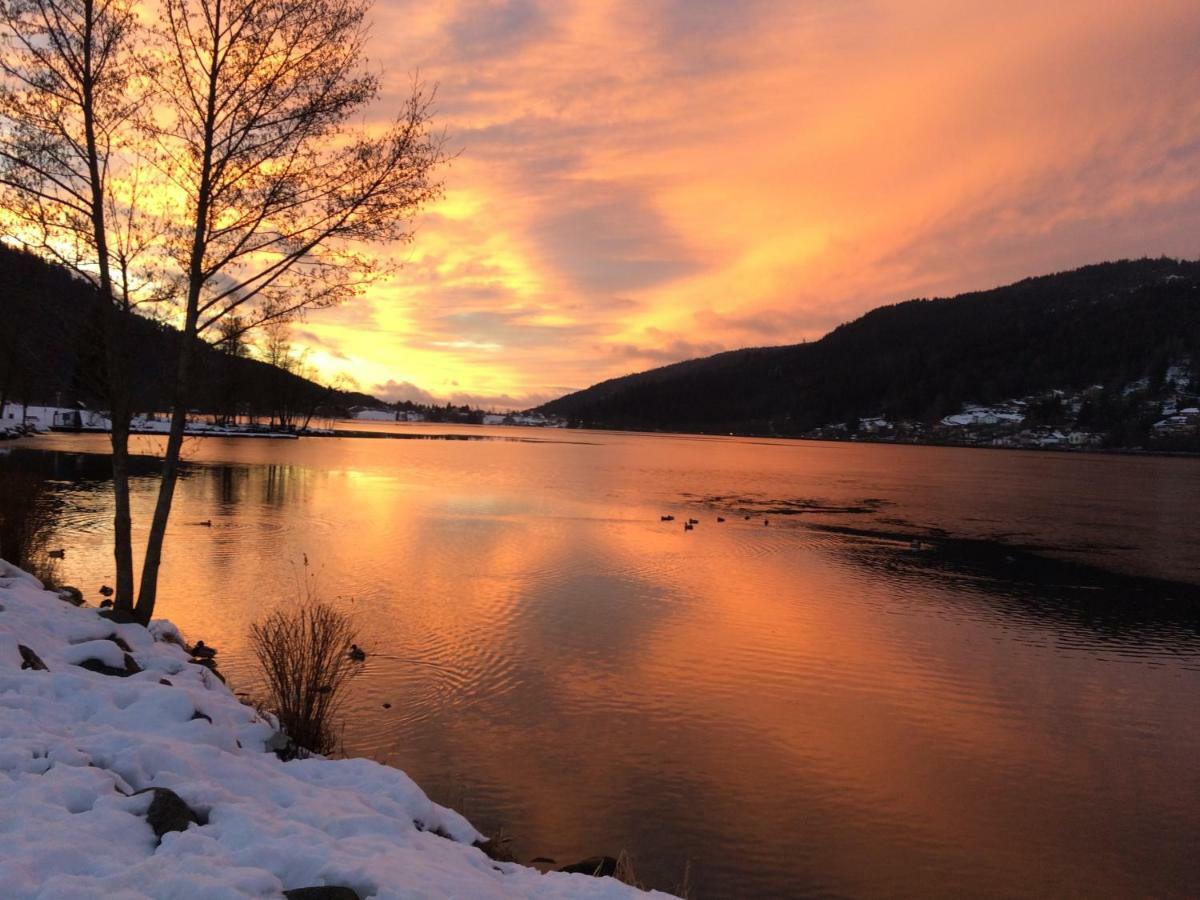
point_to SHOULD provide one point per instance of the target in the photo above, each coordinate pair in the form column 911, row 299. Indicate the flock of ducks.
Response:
column 691, row 524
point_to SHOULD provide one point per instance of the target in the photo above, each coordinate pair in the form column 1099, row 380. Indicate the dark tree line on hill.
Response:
column 50, row 352
column 1106, row 324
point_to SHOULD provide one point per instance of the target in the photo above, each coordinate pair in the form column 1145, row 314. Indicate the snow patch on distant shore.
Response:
column 76, row 745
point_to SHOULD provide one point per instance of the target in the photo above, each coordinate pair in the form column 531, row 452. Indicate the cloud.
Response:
column 645, row 182
column 401, row 391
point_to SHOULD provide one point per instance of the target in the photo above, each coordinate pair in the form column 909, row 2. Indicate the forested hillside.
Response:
column 1107, row 325
column 51, row 351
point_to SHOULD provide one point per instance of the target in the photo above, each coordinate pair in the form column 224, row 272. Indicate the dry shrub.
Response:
column 303, row 654
column 28, row 513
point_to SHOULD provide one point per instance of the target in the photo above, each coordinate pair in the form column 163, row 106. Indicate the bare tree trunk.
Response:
column 148, row 591
column 122, row 519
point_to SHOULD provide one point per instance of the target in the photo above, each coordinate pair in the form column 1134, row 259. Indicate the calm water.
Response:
column 796, row 709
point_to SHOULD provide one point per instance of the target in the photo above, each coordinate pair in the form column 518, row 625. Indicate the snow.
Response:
column 374, row 415
column 75, row 746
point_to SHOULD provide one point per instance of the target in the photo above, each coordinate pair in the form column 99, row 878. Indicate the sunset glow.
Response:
column 642, row 183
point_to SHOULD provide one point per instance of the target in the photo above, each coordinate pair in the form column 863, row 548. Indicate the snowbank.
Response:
column 77, row 745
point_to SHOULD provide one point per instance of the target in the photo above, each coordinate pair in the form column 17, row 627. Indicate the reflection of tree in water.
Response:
column 230, row 484
column 281, row 483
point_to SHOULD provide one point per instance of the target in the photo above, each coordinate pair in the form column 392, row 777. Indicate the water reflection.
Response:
column 800, row 709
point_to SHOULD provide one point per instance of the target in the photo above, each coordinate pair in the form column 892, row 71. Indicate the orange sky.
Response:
column 643, row 181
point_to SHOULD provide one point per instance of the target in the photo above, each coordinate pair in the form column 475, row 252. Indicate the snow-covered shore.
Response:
column 80, row 748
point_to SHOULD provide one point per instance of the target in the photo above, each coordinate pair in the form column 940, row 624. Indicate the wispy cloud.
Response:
column 640, row 182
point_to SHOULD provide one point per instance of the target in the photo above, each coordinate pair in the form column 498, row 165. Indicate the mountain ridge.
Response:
column 921, row 359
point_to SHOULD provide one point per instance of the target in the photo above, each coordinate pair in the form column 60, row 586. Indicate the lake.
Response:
column 797, row 702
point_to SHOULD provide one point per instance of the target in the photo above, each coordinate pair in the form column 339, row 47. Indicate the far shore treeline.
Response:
column 51, row 353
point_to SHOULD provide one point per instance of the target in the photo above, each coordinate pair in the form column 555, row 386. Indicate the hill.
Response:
column 1099, row 328
column 50, row 352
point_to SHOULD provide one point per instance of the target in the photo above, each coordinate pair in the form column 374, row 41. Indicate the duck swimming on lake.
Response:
column 666, row 518
column 201, row 651
column 356, row 653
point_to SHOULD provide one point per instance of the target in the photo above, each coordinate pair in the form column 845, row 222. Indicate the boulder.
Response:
column 30, row 660
column 95, row 665
column 598, row 866
column 72, row 595
column 322, row 892
column 168, row 812
column 120, row 616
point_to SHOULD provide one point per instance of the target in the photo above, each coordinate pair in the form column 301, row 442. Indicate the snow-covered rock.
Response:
column 77, row 746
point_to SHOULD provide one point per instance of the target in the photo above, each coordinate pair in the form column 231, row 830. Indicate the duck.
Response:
column 207, row 523
column 666, row 518
column 201, row 651
column 106, row 591
column 747, row 518
column 688, row 526
column 693, row 521
column 766, row 521
column 356, row 653
column 720, row 518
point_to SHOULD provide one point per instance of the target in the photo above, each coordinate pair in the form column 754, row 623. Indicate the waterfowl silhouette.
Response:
column 666, row 518
column 356, row 653
column 688, row 526
column 720, row 518
column 105, row 591
column 201, row 651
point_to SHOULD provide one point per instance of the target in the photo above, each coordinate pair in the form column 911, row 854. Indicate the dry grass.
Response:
column 302, row 653
column 28, row 513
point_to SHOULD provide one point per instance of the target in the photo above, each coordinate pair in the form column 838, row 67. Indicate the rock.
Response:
column 498, row 849
column 120, row 616
column 279, row 744
column 201, row 651
column 30, row 660
column 209, row 664
column 322, row 892
column 72, row 595
column 95, row 665
column 168, row 812
column 598, row 866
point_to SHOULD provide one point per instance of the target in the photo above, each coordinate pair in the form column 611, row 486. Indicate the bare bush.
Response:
column 303, row 654
column 28, row 513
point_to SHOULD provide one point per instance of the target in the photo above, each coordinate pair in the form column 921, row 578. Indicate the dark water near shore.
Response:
column 806, row 708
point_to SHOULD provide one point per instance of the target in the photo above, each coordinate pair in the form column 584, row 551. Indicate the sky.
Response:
column 638, row 182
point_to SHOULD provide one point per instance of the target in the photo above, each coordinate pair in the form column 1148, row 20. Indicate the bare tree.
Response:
column 69, row 89
column 279, row 192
